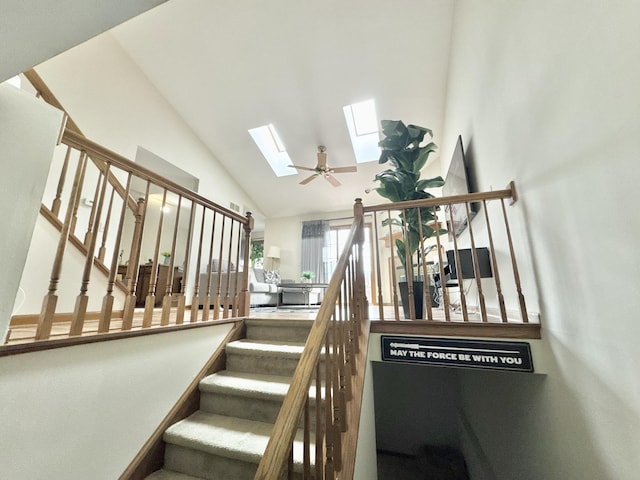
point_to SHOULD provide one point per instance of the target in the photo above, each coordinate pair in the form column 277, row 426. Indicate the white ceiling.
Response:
column 227, row 66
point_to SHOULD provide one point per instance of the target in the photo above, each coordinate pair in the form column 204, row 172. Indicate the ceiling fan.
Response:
column 323, row 169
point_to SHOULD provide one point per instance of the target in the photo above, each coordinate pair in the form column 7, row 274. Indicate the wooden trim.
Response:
column 32, row 318
column 455, row 329
column 37, row 346
column 151, row 456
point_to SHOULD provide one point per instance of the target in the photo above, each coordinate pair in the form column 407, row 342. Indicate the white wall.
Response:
column 28, row 133
column 366, row 467
column 115, row 105
column 286, row 233
column 84, row 412
column 546, row 93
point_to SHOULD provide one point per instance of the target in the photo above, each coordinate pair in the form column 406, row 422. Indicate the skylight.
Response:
column 362, row 124
column 273, row 150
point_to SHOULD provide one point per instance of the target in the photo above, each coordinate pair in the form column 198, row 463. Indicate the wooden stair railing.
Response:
column 43, row 91
column 331, row 369
column 113, row 230
column 497, row 255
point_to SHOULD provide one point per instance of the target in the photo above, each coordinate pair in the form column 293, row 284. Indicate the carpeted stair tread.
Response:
column 230, row 437
column 266, row 348
column 246, row 384
column 170, row 475
column 254, row 385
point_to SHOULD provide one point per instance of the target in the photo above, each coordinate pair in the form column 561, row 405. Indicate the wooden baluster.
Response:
column 90, row 227
column 207, row 304
column 57, row 201
column 290, row 463
column 320, row 405
column 79, row 314
column 150, row 301
column 426, row 297
column 133, row 267
column 216, row 303
column 167, row 300
column 45, row 320
column 195, row 301
column 443, row 279
column 496, row 273
column 392, row 267
column 329, row 429
column 338, row 347
column 378, row 267
column 245, row 296
column 306, row 446
column 337, row 411
column 182, row 298
column 476, row 266
column 107, row 302
column 236, row 286
column 76, row 202
column 463, row 299
column 105, row 232
column 225, row 303
column 516, row 275
column 408, row 268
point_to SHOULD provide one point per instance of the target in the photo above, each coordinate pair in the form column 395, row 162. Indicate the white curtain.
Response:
column 314, row 235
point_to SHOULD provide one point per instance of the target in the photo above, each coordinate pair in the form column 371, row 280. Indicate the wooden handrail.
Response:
column 509, row 192
column 99, row 152
column 277, row 452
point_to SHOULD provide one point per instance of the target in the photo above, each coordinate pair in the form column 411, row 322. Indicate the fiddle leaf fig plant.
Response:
column 402, row 148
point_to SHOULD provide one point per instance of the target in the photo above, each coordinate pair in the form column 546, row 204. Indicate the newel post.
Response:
column 361, row 296
column 245, row 300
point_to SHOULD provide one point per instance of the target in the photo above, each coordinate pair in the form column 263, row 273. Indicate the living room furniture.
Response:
column 301, row 293
column 261, row 292
column 144, row 282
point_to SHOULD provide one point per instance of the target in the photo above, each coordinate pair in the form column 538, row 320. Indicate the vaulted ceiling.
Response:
column 229, row 66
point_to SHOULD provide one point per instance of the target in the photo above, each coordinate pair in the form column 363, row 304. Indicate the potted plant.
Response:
column 306, row 276
column 167, row 256
column 402, row 148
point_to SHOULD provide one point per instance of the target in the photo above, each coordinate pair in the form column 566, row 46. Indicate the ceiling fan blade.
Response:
column 308, row 179
column 352, row 168
column 322, row 160
column 332, row 180
column 303, row 168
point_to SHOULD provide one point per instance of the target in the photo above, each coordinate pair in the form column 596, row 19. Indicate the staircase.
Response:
column 226, row 438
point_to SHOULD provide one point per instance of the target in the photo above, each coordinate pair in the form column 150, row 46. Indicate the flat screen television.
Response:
column 457, row 182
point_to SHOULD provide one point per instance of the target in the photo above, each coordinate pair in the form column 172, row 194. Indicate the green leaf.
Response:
column 430, row 183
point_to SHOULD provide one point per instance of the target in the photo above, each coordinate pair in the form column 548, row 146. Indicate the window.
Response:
column 362, row 123
column 273, row 150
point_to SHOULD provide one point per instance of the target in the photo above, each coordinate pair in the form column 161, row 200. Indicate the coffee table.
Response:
column 305, row 287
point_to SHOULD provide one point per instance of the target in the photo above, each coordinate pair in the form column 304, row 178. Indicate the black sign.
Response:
column 493, row 355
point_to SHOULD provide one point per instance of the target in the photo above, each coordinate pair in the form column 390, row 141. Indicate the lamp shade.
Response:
column 274, row 252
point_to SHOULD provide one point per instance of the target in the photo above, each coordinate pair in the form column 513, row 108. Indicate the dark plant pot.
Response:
column 418, row 288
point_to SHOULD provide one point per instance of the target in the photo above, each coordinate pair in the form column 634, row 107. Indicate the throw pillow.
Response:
column 272, row 276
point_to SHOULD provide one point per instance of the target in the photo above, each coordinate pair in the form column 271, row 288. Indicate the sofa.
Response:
column 261, row 292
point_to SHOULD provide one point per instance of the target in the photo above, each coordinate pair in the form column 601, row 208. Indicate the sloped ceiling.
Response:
column 229, row 66
column 39, row 30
